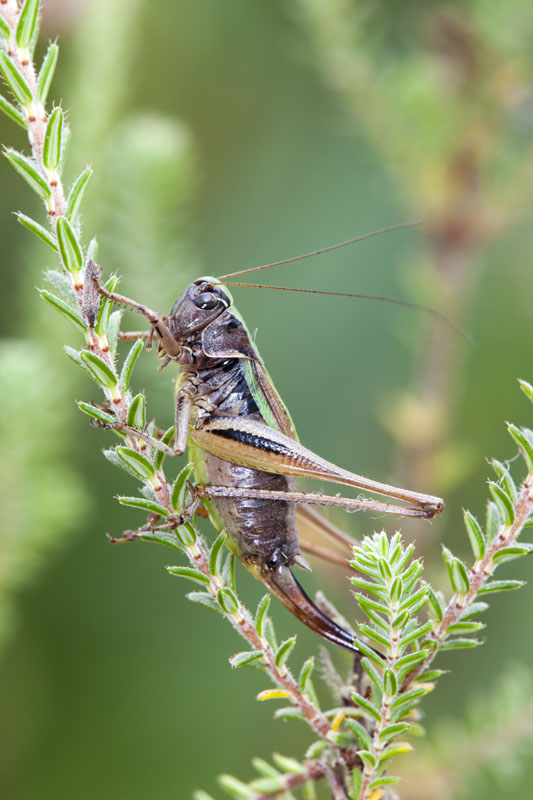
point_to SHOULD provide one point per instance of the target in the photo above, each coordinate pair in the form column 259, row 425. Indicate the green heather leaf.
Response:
column 494, row 521
column 368, row 758
column 143, row 504
column 368, row 602
column 129, row 363
column 369, row 587
column 374, row 617
column 366, row 705
column 104, row 309
column 77, row 193
column 384, row 780
column 475, row 535
column 165, row 439
column 113, row 328
column 46, row 73
column 227, row 600
column 410, row 661
column 430, row 675
column 12, row 112
column 374, row 636
column 228, row 572
column 417, row 633
column 396, row 749
column 99, row 370
column 235, row 787
column 527, row 388
column 408, row 697
column 305, row 673
column 264, row 768
column 137, row 413
column 204, row 599
column 29, row 172
column 396, row 590
column 459, row 644
column 160, row 537
column 190, row 573
column 448, row 557
column 201, row 795
column 27, row 23
column 360, row 732
column 138, row 463
column 270, row 633
column 390, row 684
column 245, row 658
column 368, row 566
column 357, row 780
column 459, row 577
column 411, row 575
column 288, row 764
column 508, row 553
column 473, row 609
column 113, row 458
column 96, row 413
column 288, row 712
column 526, row 448
column 15, row 80
column 372, row 673
column 390, row 731
column 261, row 615
column 405, row 558
column 178, row 494
column 64, row 309
column 465, row 627
column 186, row 534
column 216, row 553
column 503, row 501
column 500, row 586
column 38, row 230
column 316, row 748
column 69, row 247
column 400, row 621
column 504, row 477
column 5, row 30
column 385, row 570
column 62, row 284
column 52, row 139
column 369, row 653
column 267, row 785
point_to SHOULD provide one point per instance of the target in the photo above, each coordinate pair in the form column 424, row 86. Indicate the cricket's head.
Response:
column 202, row 302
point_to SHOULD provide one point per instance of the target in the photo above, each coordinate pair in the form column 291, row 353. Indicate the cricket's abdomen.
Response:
column 258, row 528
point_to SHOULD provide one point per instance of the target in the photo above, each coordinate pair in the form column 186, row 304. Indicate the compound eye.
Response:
column 206, row 301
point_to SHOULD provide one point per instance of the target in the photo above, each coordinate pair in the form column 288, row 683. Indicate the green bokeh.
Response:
column 112, row 684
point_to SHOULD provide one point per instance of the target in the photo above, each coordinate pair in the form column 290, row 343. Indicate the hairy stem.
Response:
column 480, row 573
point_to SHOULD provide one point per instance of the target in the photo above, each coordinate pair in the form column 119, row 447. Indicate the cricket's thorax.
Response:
column 259, row 528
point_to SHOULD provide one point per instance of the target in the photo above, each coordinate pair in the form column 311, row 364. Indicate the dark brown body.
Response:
column 232, row 401
column 260, row 529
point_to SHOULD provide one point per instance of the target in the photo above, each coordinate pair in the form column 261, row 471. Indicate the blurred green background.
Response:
column 225, row 135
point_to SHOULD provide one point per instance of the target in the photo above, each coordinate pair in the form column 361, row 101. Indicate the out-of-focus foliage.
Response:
column 43, row 501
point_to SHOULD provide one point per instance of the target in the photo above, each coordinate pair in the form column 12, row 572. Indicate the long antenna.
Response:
column 394, row 300
column 331, row 247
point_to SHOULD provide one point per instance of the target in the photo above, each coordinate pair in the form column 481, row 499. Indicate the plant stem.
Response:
column 478, row 575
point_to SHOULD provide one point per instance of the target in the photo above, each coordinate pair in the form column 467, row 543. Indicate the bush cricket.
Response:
column 244, row 447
